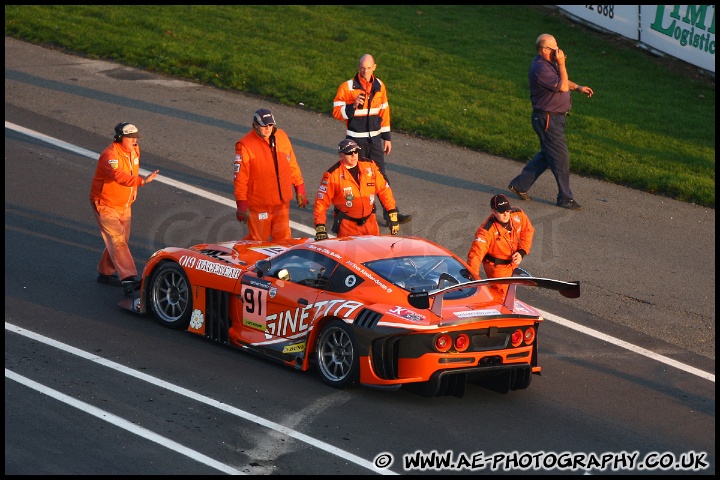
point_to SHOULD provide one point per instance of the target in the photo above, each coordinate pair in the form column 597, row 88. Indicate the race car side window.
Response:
column 343, row 280
column 303, row 267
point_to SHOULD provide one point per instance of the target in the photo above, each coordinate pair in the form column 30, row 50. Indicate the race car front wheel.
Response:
column 337, row 355
column 170, row 298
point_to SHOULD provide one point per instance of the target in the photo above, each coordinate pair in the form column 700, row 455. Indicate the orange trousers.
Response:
column 266, row 222
column 498, row 271
column 115, row 230
column 348, row 227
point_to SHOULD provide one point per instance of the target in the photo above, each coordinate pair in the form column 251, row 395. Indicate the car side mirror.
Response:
column 263, row 267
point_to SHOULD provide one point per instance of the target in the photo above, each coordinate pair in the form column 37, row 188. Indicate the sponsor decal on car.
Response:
column 253, row 324
column 406, row 314
column 291, row 322
column 197, row 319
column 324, row 250
column 269, row 251
column 521, row 308
column 256, row 282
column 218, row 269
column 298, row 347
column 188, row 261
column 477, row 313
column 368, row 275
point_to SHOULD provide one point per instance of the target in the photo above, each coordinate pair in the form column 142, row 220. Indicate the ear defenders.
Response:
column 119, row 130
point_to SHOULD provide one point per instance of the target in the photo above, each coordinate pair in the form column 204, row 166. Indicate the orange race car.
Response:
column 381, row 311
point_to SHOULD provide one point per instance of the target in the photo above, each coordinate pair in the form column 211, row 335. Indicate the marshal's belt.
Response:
column 496, row 261
column 340, row 216
column 359, row 221
column 561, row 114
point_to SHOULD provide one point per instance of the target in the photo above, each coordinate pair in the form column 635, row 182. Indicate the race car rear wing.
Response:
column 422, row 299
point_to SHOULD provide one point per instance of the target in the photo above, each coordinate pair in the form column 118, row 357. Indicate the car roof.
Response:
column 372, row 247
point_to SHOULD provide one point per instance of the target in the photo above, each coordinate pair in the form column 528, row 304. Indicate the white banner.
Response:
column 683, row 31
column 622, row 19
column 686, row 32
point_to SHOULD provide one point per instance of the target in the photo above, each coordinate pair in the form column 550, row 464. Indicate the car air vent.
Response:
column 367, row 318
column 217, row 320
column 218, row 254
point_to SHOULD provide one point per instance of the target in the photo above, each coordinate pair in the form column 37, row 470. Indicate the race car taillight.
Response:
column 529, row 336
column 516, row 338
column 462, row 342
column 443, row 342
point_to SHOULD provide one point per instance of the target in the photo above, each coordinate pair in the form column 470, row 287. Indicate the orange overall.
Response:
column 264, row 177
column 352, row 199
column 113, row 191
column 495, row 244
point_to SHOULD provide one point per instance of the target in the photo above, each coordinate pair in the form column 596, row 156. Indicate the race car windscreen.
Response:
column 424, row 273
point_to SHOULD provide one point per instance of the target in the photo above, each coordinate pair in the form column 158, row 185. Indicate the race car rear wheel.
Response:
column 170, row 298
column 337, row 355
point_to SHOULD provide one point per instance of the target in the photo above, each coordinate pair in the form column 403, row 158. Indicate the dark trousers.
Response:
column 553, row 154
column 372, row 148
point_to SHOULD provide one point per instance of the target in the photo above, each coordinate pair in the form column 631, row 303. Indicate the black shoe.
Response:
column 111, row 280
column 130, row 284
column 570, row 205
column 403, row 219
column 521, row 195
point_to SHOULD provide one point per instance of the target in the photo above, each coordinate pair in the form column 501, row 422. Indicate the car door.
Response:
column 279, row 306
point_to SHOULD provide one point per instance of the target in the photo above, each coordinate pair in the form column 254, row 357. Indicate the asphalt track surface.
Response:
column 646, row 263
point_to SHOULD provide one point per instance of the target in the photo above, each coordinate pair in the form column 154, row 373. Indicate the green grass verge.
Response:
column 453, row 73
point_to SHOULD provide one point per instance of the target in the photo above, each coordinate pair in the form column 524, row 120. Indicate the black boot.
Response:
column 402, row 219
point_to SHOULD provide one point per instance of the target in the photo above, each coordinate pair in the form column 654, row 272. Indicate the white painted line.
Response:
column 628, row 346
column 122, row 423
column 311, row 232
column 160, row 178
column 319, row 444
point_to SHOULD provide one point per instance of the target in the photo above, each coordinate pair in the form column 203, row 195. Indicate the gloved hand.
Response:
column 394, row 223
column 320, row 232
column 301, row 195
column 242, row 210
